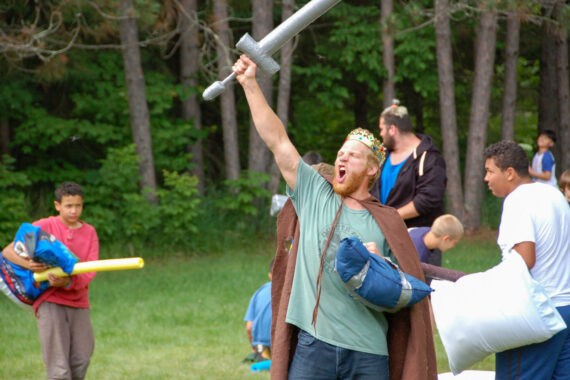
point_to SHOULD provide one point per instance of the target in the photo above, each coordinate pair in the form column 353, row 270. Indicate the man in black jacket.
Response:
column 413, row 176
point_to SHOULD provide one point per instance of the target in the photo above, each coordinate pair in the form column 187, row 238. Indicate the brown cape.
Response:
column 410, row 338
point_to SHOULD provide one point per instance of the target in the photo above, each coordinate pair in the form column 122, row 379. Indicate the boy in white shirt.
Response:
column 535, row 223
column 543, row 164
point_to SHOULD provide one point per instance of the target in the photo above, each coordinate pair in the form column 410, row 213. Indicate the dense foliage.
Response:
column 68, row 116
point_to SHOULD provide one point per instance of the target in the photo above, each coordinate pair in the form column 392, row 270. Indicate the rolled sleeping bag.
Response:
column 376, row 281
column 439, row 273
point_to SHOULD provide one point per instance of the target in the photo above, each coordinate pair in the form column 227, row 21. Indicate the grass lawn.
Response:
column 181, row 317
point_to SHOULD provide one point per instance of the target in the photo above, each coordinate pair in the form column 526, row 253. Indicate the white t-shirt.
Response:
column 544, row 162
column 539, row 213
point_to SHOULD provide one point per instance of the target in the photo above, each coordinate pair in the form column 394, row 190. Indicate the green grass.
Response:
column 181, row 317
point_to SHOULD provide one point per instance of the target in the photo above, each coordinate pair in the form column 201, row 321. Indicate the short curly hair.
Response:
column 508, row 154
column 68, row 188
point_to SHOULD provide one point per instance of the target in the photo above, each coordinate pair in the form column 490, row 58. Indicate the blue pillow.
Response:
column 18, row 283
column 376, row 282
column 44, row 248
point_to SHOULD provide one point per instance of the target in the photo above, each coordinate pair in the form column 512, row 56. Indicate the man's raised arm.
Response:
column 267, row 124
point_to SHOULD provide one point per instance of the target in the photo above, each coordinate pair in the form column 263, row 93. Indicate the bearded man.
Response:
column 412, row 178
column 336, row 336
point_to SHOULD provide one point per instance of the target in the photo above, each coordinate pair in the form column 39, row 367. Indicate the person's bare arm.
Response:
column 267, row 123
column 248, row 332
column 545, row 175
column 10, row 254
column 408, row 211
column 527, row 251
column 58, row 282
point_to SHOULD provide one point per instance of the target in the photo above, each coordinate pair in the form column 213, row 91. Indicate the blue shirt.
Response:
column 417, row 234
column 259, row 311
column 388, row 178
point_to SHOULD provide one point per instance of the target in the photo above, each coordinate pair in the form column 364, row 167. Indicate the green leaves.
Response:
column 241, row 192
column 125, row 214
column 12, row 201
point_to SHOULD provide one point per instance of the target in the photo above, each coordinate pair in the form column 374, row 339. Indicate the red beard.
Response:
column 350, row 185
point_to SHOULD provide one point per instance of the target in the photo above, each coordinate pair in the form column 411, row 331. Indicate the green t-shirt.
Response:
column 342, row 321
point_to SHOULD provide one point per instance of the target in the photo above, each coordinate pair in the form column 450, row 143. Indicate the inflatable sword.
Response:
column 261, row 52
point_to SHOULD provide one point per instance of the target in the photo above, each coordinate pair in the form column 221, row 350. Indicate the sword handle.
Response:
column 217, row 87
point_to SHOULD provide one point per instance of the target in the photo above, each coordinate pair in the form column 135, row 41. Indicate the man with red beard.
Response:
column 338, row 337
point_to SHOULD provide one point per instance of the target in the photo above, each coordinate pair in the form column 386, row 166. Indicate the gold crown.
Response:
column 368, row 139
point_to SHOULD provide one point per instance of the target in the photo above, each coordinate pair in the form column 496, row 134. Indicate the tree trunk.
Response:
column 548, row 92
column 227, row 99
column 510, row 85
column 360, row 108
column 479, row 117
column 388, row 52
column 419, row 112
column 189, row 67
column 4, row 136
column 447, row 108
column 259, row 155
column 284, row 91
column 138, row 108
column 563, row 142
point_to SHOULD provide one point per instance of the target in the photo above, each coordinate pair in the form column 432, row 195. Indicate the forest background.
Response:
column 107, row 93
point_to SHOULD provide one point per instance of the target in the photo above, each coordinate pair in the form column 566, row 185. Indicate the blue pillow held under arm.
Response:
column 375, row 281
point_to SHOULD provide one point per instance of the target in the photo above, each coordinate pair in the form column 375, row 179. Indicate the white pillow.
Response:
column 492, row 311
column 468, row 375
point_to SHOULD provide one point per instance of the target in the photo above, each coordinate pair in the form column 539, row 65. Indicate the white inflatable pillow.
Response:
column 492, row 311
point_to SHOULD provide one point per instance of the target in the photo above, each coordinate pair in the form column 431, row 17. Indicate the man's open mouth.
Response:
column 341, row 176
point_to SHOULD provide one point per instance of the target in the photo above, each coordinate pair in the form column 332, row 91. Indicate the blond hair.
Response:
column 447, row 224
column 373, row 160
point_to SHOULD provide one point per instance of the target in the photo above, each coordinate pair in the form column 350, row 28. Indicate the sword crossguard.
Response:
column 260, row 56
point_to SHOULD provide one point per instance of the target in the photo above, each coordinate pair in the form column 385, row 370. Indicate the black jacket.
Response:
column 421, row 179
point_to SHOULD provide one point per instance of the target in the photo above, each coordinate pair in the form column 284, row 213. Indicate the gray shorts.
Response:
column 67, row 340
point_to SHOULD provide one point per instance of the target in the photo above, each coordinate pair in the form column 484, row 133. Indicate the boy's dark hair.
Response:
column 508, row 154
column 68, row 188
column 271, row 265
column 550, row 133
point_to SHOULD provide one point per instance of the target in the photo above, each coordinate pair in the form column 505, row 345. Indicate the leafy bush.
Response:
column 122, row 214
column 241, row 193
column 12, row 201
column 111, row 191
column 178, row 208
